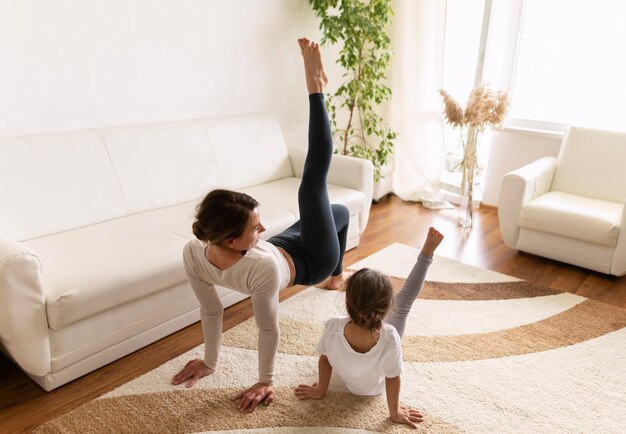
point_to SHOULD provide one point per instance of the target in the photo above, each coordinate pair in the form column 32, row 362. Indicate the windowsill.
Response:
column 454, row 197
column 450, row 189
column 535, row 131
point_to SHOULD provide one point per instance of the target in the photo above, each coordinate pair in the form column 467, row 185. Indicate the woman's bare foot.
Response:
column 336, row 283
column 433, row 239
column 316, row 78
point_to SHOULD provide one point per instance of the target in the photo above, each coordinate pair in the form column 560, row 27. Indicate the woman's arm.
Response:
column 399, row 413
column 211, row 316
column 265, row 306
column 211, row 313
column 317, row 390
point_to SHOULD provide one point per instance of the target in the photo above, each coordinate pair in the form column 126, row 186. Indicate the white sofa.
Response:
column 571, row 208
column 93, row 223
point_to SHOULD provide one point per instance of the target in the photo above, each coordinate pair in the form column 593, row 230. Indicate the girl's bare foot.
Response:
column 433, row 239
column 316, row 78
column 336, row 283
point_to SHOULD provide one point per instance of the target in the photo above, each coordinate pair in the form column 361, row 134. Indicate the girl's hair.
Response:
column 369, row 296
column 221, row 215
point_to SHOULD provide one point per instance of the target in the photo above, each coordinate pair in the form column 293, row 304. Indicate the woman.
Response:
column 229, row 252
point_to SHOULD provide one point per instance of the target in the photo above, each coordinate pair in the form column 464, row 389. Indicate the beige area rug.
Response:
column 484, row 353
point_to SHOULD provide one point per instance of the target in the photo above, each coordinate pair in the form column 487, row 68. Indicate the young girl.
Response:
column 228, row 250
column 362, row 349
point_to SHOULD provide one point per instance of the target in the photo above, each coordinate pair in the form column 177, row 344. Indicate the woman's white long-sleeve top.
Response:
column 262, row 272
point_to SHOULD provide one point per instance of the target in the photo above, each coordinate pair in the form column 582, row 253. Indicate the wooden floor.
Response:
column 23, row 405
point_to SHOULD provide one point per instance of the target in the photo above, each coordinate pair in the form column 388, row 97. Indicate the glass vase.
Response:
column 466, row 206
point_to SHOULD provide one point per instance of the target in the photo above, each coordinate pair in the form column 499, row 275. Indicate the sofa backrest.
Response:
column 592, row 163
column 249, row 149
column 58, row 181
column 161, row 164
column 54, row 182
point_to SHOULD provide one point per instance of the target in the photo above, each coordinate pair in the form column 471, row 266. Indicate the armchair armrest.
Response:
column 345, row 171
column 518, row 188
column 23, row 320
column 618, row 264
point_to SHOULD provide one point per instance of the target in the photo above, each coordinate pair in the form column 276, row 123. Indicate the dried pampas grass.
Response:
column 485, row 108
column 452, row 110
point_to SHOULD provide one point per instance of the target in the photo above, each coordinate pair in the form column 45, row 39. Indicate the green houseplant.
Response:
column 361, row 27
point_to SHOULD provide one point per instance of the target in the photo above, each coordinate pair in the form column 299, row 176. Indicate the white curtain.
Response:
column 415, row 109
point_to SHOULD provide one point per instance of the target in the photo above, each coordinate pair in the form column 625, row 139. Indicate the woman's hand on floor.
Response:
column 251, row 398
column 193, row 371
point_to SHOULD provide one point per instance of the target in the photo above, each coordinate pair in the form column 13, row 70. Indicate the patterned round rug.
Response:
column 483, row 352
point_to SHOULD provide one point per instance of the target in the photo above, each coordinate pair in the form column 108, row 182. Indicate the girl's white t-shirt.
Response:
column 362, row 373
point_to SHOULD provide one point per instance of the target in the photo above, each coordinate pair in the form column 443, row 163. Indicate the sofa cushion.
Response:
column 284, row 193
column 162, row 164
column 53, row 182
column 275, row 220
column 175, row 220
column 103, row 330
column 577, row 217
column 83, row 272
column 249, row 150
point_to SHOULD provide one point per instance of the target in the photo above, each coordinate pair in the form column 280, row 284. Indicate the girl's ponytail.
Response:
column 369, row 296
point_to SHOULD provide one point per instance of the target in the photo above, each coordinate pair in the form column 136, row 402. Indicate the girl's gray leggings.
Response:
column 408, row 294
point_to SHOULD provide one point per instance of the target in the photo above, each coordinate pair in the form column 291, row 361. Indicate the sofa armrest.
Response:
column 618, row 264
column 345, row 171
column 518, row 188
column 23, row 320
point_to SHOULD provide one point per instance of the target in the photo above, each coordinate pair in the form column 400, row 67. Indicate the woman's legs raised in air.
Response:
column 323, row 229
column 413, row 286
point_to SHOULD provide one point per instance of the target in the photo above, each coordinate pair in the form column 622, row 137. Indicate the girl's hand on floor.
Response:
column 193, row 370
column 305, row 391
column 407, row 416
column 251, row 398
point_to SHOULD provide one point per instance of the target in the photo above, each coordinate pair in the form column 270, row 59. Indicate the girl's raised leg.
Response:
column 414, row 283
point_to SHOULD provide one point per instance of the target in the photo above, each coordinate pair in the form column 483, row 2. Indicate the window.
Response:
column 570, row 67
column 462, row 47
column 562, row 60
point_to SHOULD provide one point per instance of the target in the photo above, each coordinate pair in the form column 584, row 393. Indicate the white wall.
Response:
column 511, row 149
column 75, row 64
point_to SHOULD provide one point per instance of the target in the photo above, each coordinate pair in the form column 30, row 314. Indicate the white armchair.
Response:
column 571, row 208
